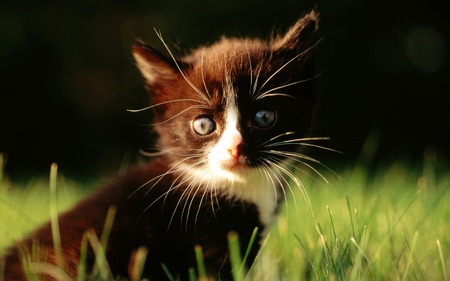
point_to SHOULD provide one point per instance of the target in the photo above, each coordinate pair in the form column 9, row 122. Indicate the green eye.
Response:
column 264, row 118
column 204, row 125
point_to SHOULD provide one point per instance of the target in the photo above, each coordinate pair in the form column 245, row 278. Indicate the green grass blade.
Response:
column 349, row 208
column 235, row 256
column 442, row 260
column 192, row 276
column 101, row 263
column 249, row 248
column 138, row 263
column 167, row 272
column 109, row 221
column 54, row 216
column 410, row 256
column 83, row 259
column 200, row 263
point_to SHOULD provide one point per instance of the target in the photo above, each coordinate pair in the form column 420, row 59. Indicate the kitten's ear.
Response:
column 154, row 66
column 301, row 36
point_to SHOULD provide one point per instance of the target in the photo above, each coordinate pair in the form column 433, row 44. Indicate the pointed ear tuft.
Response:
column 301, row 36
column 154, row 66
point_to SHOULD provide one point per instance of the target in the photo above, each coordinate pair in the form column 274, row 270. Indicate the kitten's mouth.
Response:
column 235, row 164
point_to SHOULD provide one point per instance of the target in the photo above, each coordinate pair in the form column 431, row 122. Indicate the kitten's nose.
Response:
column 236, row 145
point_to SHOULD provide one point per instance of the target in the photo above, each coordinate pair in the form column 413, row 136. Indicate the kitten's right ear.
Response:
column 301, row 36
column 154, row 66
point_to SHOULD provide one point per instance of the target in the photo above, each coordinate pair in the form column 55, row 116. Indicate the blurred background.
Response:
column 67, row 76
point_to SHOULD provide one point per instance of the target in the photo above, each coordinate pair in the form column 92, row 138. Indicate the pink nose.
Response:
column 235, row 145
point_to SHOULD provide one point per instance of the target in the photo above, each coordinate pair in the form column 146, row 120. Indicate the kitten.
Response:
column 230, row 120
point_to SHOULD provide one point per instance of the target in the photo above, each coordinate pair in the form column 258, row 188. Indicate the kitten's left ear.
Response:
column 301, row 36
column 155, row 67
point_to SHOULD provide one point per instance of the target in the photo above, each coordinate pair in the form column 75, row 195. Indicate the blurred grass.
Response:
column 391, row 224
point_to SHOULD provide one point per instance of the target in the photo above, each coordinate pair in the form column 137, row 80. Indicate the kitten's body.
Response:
column 230, row 118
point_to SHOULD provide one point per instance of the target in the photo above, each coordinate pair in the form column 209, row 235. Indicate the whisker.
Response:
column 294, row 179
column 160, row 151
column 276, row 137
column 269, row 93
column 186, row 192
column 291, row 142
column 268, row 171
column 280, row 69
column 298, row 142
column 203, row 74
column 251, row 70
column 255, row 85
column 158, row 178
column 178, row 114
column 195, row 186
column 297, row 156
column 289, row 175
column 202, row 95
column 286, row 64
column 162, row 103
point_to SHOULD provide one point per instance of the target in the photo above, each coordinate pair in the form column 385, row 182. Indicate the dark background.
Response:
column 67, row 75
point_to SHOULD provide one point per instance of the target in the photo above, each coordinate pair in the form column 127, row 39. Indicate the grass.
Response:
column 391, row 224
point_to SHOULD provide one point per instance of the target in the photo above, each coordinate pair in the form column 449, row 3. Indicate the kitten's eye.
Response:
column 204, row 125
column 264, row 118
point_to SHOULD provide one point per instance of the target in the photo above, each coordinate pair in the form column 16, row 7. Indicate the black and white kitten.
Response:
column 230, row 119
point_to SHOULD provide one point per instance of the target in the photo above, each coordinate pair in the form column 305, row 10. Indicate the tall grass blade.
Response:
column 192, row 276
column 109, row 221
column 235, row 256
column 347, row 199
column 200, row 263
column 54, row 216
column 410, row 256
column 249, row 247
column 138, row 263
column 442, row 260
column 168, row 273
column 83, row 259
column 100, row 256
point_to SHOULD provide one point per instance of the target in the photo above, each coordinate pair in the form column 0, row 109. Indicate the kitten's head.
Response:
column 235, row 108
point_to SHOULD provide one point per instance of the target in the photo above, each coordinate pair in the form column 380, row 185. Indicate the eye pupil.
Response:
column 203, row 125
column 264, row 118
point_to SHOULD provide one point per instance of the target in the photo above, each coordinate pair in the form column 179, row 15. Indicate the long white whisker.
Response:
column 271, row 92
column 161, row 176
column 293, row 178
column 284, row 143
column 276, row 137
column 161, row 151
column 297, row 156
column 285, row 65
column 158, row 178
column 268, row 164
column 255, row 85
column 178, row 114
column 162, row 103
column 250, row 68
column 289, row 174
column 278, row 71
column 192, row 179
column 202, row 95
column 203, row 75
